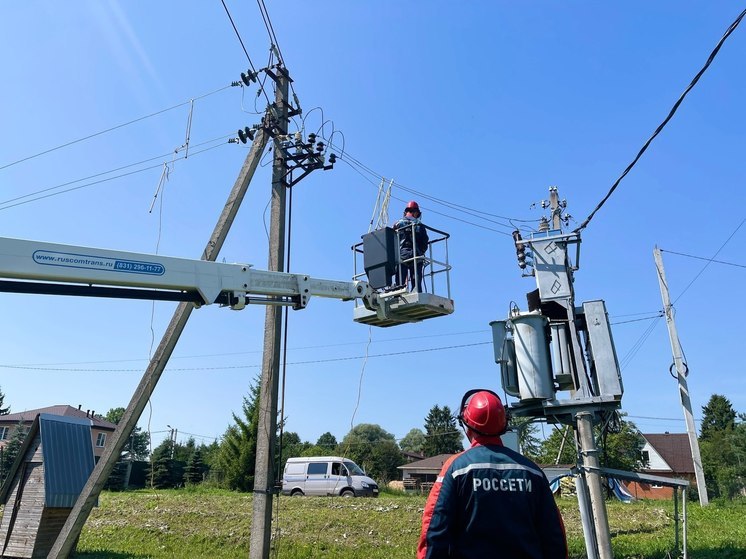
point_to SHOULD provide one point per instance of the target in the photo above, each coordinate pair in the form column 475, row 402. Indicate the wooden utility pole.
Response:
column 269, row 385
column 681, row 371
column 70, row 532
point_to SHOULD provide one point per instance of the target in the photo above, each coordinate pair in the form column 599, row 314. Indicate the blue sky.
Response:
column 480, row 104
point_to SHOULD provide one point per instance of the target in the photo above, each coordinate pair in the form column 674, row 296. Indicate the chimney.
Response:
column 80, row 406
column 87, row 413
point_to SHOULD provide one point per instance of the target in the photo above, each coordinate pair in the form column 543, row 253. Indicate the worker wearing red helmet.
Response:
column 490, row 501
column 413, row 241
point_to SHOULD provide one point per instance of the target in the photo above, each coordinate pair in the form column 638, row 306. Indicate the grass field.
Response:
column 216, row 524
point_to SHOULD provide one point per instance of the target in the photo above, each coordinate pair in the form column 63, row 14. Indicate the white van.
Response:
column 326, row 475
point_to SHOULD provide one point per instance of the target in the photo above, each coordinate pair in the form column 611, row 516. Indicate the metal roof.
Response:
column 68, row 458
column 67, row 451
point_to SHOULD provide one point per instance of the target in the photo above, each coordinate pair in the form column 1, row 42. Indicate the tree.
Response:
column 327, row 441
column 528, row 442
column 442, row 434
column 138, row 442
column 717, row 415
column 292, row 447
column 236, row 458
column 621, row 446
column 723, row 448
column 196, row 468
column 373, row 449
column 162, row 474
column 558, row 447
column 413, row 441
column 10, row 451
column 3, row 411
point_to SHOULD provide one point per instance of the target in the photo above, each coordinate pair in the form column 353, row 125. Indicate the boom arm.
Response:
column 74, row 270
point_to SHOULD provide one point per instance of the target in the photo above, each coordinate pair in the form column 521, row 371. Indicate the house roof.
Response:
column 62, row 410
column 674, row 449
column 433, row 463
column 68, row 458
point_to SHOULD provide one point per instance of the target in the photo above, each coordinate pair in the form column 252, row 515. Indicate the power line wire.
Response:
column 665, row 121
column 118, row 126
column 36, row 196
column 710, row 260
column 230, row 367
column 321, row 346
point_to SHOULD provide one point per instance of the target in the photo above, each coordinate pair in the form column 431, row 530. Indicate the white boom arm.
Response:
column 50, row 268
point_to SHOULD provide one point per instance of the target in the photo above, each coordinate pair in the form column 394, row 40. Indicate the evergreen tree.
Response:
column 162, row 475
column 236, row 458
column 717, row 415
column 10, row 451
column 3, row 410
column 723, row 448
column 442, row 434
column 528, row 443
column 195, row 467
column 413, row 441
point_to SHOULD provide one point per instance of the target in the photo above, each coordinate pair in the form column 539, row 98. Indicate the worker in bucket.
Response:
column 413, row 239
column 489, row 501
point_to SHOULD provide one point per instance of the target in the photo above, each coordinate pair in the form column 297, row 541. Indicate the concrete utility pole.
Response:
column 591, row 465
column 269, row 385
column 681, row 371
column 70, row 532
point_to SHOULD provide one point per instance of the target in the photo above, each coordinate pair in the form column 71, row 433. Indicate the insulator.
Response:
column 320, row 147
column 519, row 245
column 248, row 77
column 245, row 135
column 332, row 158
column 311, row 138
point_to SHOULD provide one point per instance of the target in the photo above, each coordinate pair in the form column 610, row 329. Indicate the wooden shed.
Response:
column 52, row 467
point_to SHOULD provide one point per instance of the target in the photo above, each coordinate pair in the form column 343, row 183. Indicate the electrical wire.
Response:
column 223, row 354
column 47, row 192
column 246, row 52
column 233, row 367
column 638, row 344
column 709, row 261
column 660, row 314
column 662, row 125
column 111, row 129
column 428, row 209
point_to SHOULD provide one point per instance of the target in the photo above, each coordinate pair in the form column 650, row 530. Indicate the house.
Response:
column 668, row 455
column 101, row 429
column 52, row 466
column 421, row 474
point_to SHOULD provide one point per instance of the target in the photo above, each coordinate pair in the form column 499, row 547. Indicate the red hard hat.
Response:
column 412, row 206
column 483, row 412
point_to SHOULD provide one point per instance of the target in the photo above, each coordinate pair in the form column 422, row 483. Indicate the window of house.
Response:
column 100, row 440
column 4, row 432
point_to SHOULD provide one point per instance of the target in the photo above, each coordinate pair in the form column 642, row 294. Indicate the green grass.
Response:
column 217, row 524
